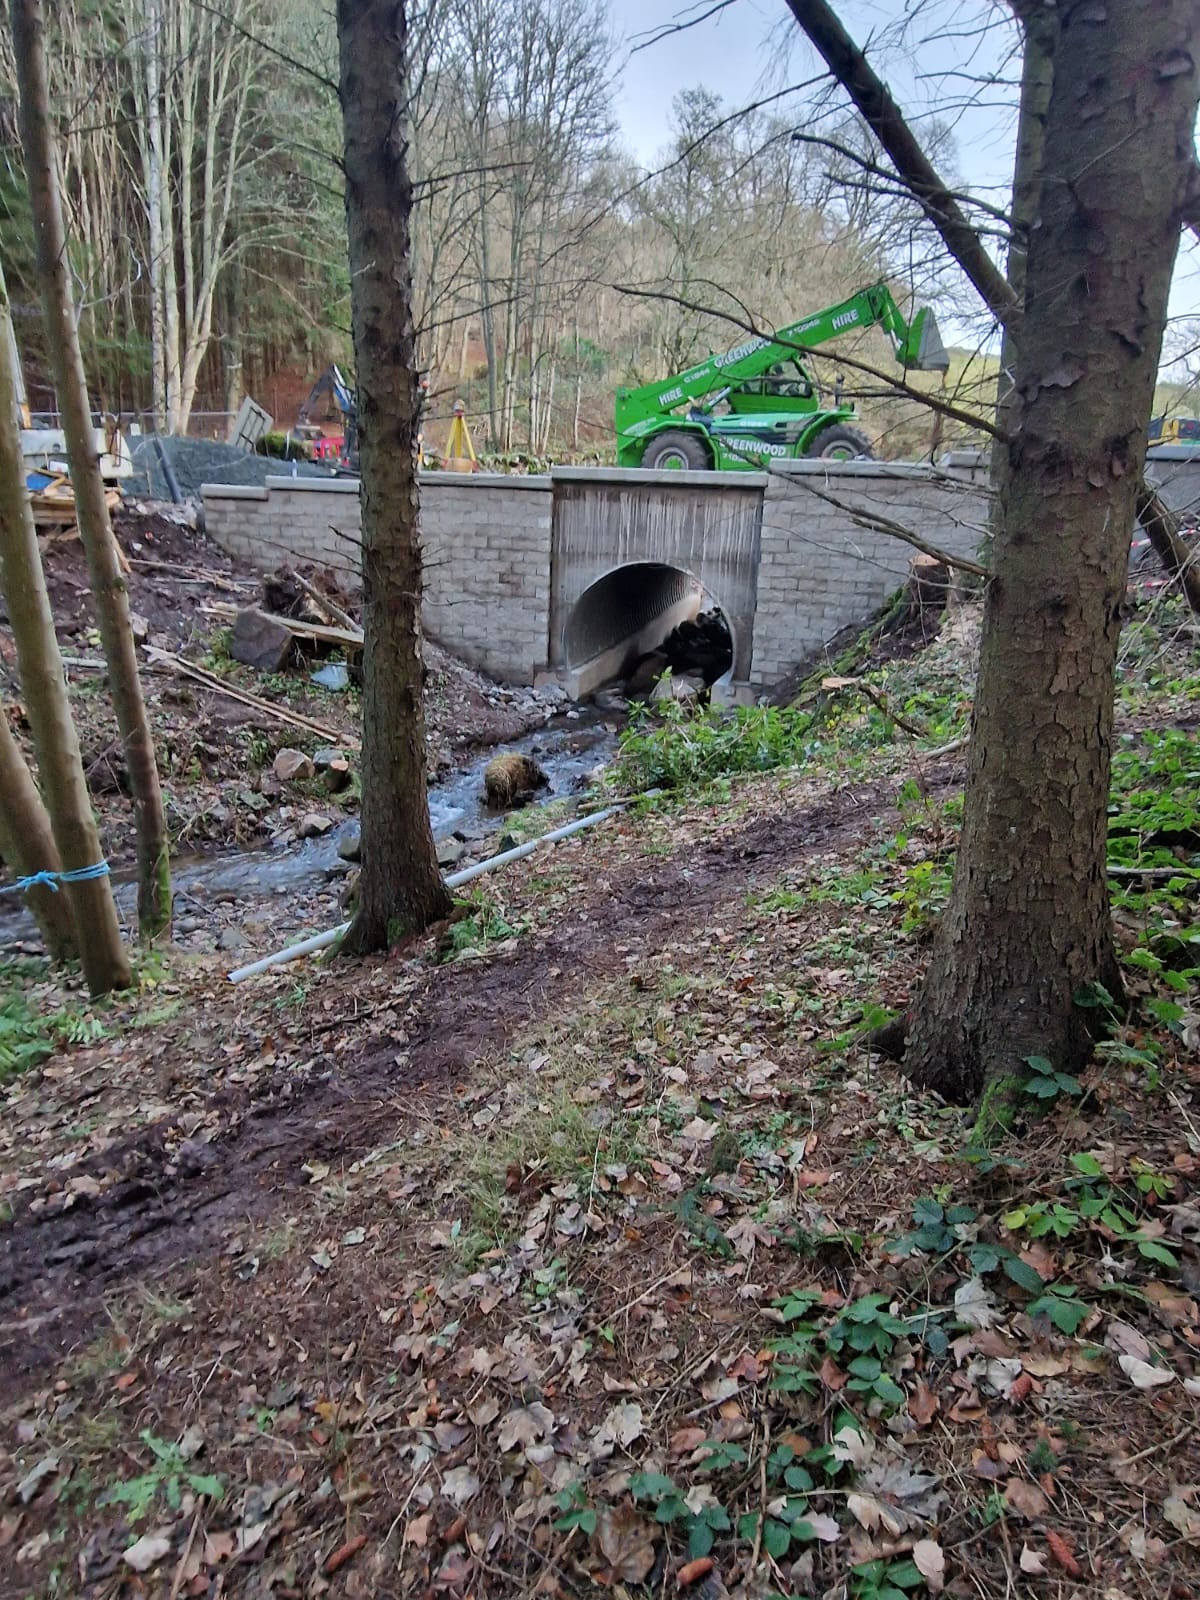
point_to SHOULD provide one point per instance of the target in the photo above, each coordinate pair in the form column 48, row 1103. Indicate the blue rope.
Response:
column 51, row 880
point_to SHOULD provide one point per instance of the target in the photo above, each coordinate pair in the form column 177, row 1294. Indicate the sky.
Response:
column 751, row 47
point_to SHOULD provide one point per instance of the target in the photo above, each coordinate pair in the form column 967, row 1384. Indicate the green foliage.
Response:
column 168, row 1474
column 27, row 1035
column 677, row 746
column 884, row 1580
column 1045, row 1082
column 577, row 1510
column 670, row 1506
column 482, row 925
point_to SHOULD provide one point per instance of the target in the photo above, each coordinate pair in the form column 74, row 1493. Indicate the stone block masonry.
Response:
column 486, row 544
column 819, row 570
column 509, row 560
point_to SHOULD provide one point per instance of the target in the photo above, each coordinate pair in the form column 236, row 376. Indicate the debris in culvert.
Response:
column 687, row 689
column 702, row 646
column 512, row 780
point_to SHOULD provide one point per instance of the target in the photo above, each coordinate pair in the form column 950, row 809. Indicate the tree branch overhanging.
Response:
column 887, row 122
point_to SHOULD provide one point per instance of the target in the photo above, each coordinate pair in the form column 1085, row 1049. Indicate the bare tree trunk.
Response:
column 1162, row 530
column 95, row 531
column 1028, row 923
column 60, row 767
column 401, row 888
column 153, row 162
column 27, row 846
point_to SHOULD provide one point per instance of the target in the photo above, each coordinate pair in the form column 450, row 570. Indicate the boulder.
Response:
column 312, row 825
column 292, row 764
column 350, row 845
column 450, row 852
column 258, row 642
column 512, row 780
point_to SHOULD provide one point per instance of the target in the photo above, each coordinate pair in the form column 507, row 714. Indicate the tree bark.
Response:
column 95, row 530
column 152, row 157
column 105, row 964
column 1028, row 921
column 27, row 846
column 401, row 888
column 1039, row 29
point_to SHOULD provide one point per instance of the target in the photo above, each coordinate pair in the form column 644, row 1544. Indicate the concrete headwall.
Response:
column 508, row 559
column 486, row 541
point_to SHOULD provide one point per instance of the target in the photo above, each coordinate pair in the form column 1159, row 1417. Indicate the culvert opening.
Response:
column 638, row 621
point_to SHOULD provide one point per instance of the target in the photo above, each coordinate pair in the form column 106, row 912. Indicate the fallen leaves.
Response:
column 148, row 1551
column 930, row 1561
column 1142, row 1375
column 1025, row 1499
column 626, row 1541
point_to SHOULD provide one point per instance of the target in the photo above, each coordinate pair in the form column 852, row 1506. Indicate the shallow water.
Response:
column 568, row 751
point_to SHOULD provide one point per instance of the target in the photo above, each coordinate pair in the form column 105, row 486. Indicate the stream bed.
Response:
column 569, row 750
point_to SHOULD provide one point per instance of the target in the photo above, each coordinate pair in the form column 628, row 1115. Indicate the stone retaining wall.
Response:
column 802, row 570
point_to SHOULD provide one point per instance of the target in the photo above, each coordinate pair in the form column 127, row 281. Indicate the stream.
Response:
column 569, row 750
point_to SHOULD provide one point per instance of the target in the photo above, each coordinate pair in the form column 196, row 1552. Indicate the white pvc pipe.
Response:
column 321, row 941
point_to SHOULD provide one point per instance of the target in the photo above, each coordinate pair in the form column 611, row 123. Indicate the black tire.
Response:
column 840, row 443
column 678, row 452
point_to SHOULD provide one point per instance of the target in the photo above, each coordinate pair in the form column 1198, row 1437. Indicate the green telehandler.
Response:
column 759, row 401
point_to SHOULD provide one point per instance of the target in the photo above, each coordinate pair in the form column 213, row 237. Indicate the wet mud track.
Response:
column 176, row 1203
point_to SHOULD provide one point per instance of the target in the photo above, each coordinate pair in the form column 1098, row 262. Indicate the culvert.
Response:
column 623, row 616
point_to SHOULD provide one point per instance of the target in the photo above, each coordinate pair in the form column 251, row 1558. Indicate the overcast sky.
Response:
column 751, row 47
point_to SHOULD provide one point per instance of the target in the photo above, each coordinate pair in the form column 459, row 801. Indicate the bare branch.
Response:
column 885, row 119
column 875, row 522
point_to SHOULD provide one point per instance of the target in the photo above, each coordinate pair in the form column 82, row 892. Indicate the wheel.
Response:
column 840, row 443
column 675, row 451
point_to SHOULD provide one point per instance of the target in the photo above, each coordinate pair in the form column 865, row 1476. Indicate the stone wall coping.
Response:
column 638, row 477
column 314, row 485
column 232, row 491
column 919, row 471
column 485, row 480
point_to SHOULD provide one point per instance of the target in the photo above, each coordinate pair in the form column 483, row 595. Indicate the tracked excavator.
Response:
column 759, row 402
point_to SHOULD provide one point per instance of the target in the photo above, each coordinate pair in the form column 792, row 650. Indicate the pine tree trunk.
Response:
column 60, row 766
column 27, row 846
column 1028, row 922
column 400, row 888
column 95, row 531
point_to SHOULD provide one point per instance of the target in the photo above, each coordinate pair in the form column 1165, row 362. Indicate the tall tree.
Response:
column 1028, row 923
column 109, row 594
column 401, row 888
column 56, row 743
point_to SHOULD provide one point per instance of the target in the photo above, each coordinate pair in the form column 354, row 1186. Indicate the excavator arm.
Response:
column 917, row 345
